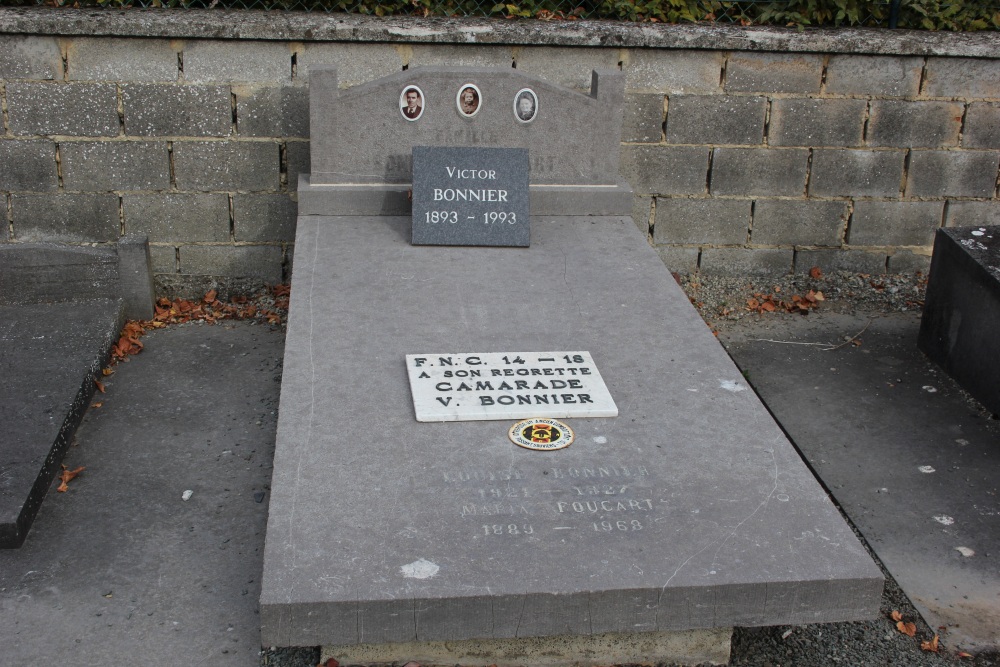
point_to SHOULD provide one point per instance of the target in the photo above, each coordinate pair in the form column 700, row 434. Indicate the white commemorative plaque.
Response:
column 473, row 386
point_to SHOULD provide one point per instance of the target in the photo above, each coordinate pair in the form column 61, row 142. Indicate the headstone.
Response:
column 470, row 196
column 687, row 510
column 961, row 315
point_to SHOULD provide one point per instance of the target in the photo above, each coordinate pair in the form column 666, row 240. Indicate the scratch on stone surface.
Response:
column 520, row 614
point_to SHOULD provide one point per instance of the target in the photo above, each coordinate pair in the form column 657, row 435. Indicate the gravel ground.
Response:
column 725, row 303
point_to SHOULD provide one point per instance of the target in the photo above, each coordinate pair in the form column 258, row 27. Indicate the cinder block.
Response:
column 264, row 217
column 907, row 261
column 260, row 261
column 163, row 258
column 790, row 222
column 226, row 165
column 237, row 62
column 480, row 55
column 297, row 159
column 715, row 119
column 672, row 72
column 642, row 213
column 816, row 122
column 28, row 165
column 851, row 261
column 356, row 63
column 115, row 165
column 888, row 223
column 30, row 57
column 856, row 173
column 115, row 59
column 774, row 73
column 914, row 124
column 564, row 67
column 952, row 173
column 972, row 213
column 679, row 259
column 875, row 76
column 965, row 78
column 178, row 218
column 643, row 118
column 982, row 125
column 759, row 171
column 697, row 221
column 666, row 170
column 65, row 218
column 76, row 109
column 157, row 110
column 272, row 111
column 760, row 262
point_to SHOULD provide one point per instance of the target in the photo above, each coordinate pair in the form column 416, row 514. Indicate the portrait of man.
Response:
column 525, row 105
column 468, row 100
column 411, row 103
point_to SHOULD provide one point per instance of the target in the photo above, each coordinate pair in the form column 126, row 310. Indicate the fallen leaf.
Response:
column 66, row 475
column 963, row 654
column 210, row 296
column 753, row 304
column 100, row 387
column 107, row 371
column 931, row 646
column 896, row 616
column 96, row 405
column 908, row 629
column 815, row 273
column 331, row 662
column 768, row 306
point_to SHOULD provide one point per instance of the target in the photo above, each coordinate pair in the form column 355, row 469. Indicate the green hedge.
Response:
column 915, row 14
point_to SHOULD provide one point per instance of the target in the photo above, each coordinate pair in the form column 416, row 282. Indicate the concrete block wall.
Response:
column 749, row 152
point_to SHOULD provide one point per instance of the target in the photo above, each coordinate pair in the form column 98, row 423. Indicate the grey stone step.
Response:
column 50, row 355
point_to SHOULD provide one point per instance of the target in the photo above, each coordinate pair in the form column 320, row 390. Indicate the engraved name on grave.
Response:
column 470, row 196
column 507, row 385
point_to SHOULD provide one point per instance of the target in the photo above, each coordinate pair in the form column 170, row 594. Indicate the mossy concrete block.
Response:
column 716, row 119
column 116, row 59
column 227, row 165
column 115, row 165
column 163, row 258
column 982, row 125
column 816, row 122
column 878, row 76
column 672, row 71
column 962, row 78
column 914, row 124
column 28, row 165
column 791, row 222
column 66, row 218
column 157, row 110
column 892, row 223
column 759, row 171
column 264, row 217
column 272, row 111
column 856, row 173
column 177, row 217
column 952, row 173
column 74, row 109
column 237, row 62
column 643, row 118
column 665, row 170
column 972, row 213
column 701, row 221
column 30, row 57
column 773, row 72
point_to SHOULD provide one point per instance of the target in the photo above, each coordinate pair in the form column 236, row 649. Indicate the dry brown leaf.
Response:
column 963, row 654
column 96, row 405
column 66, row 475
column 753, row 304
column 896, row 616
column 100, row 387
column 768, row 306
column 931, row 646
column 908, row 629
column 210, row 296
column 107, row 371
column 815, row 273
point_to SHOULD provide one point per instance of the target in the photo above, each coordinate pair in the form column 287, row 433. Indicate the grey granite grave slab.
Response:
column 688, row 510
column 470, row 196
column 962, row 312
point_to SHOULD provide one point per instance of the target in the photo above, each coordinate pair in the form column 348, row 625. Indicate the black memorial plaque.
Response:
column 470, row 196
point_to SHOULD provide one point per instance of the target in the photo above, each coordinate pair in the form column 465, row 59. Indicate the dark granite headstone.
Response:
column 470, row 196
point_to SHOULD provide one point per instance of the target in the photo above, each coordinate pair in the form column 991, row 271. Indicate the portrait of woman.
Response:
column 525, row 105
column 469, row 100
column 411, row 103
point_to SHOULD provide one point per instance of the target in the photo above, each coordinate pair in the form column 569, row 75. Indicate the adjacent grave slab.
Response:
column 688, row 510
column 962, row 310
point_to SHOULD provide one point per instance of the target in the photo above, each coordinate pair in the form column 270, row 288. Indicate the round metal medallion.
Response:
column 541, row 434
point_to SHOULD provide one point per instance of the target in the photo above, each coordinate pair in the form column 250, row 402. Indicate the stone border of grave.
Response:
column 247, row 25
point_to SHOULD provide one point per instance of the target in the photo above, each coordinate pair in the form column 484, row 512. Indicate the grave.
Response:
column 958, row 330
column 396, row 532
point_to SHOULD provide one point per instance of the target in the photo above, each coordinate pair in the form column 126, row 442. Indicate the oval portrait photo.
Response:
column 469, row 100
column 525, row 105
column 411, row 103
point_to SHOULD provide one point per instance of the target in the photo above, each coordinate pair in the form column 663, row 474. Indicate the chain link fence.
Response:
column 926, row 14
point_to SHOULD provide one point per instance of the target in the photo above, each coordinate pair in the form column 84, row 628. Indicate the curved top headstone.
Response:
column 361, row 135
